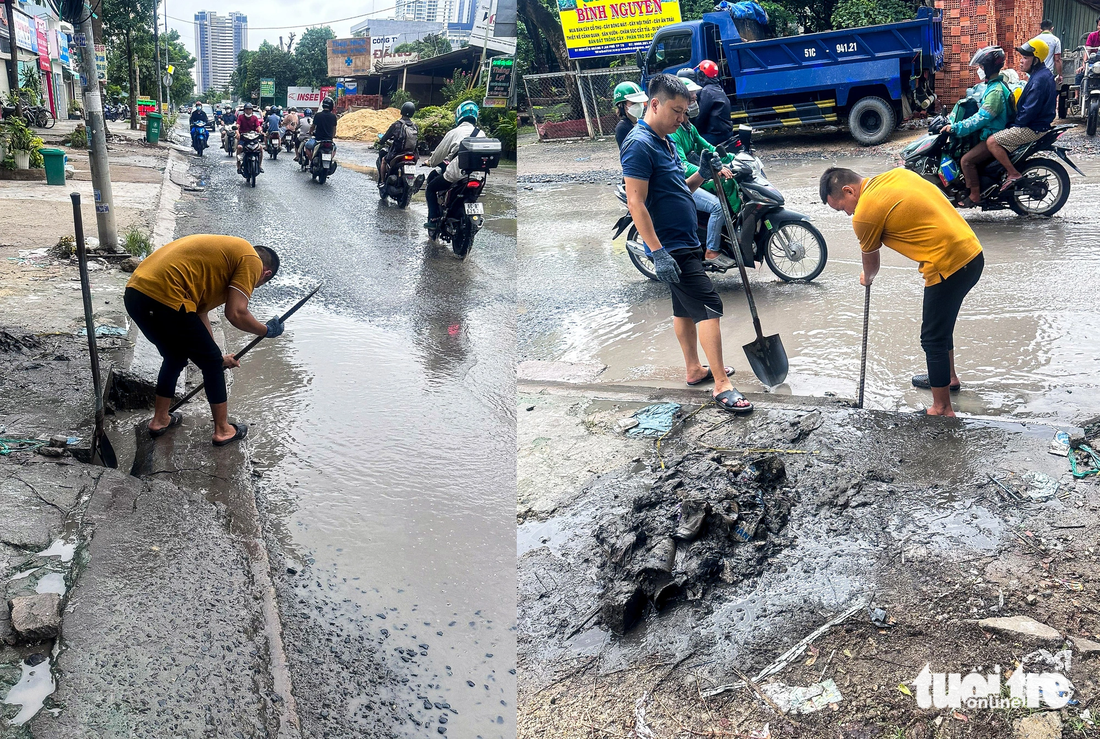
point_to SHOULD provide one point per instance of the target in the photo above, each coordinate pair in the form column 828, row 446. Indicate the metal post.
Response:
column 156, row 54
column 531, row 108
column 595, row 104
column 584, row 105
column 13, row 74
column 167, row 61
column 97, row 137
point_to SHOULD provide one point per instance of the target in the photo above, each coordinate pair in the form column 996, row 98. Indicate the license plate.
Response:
column 326, row 157
column 477, row 175
column 475, row 209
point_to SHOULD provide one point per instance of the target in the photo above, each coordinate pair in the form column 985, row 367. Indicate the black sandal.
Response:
column 242, row 431
column 967, row 203
column 732, row 396
column 174, row 419
column 709, row 376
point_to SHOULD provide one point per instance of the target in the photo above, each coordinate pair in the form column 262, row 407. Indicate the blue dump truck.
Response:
column 871, row 78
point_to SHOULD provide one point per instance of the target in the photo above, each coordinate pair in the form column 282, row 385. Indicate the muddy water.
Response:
column 383, row 425
column 1026, row 341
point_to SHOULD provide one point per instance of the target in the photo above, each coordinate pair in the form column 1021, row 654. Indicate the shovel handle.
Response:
column 86, row 294
column 863, row 356
column 721, row 192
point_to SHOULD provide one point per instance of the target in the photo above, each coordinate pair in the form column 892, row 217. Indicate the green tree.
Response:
column 312, row 55
column 856, row 13
column 123, row 22
column 268, row 61
column 431, row 45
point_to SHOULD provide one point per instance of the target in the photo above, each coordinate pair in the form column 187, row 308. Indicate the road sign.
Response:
column 170, row 69
column 348, row 57
column 167, row 80
column 267, row 87
column 603, row 27
column 80, row 40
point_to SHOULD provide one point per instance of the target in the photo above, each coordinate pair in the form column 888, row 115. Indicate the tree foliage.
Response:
column 856, row 13
column 312, row 55
column 431, row 45
column 268, row 61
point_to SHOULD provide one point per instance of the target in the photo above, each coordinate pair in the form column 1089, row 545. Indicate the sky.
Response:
column 268, row 19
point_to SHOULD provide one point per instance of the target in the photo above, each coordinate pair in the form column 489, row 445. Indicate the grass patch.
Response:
column 136, row 242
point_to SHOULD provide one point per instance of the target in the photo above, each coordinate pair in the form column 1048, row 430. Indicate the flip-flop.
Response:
column 174, row 419
column 709, row 376
column 732, row 396
column 242, row 431
column 1010, row 183
column 967, row 203
column 922, row 382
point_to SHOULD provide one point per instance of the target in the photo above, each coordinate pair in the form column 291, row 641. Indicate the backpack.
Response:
column 1010, row 104
column 407, row 139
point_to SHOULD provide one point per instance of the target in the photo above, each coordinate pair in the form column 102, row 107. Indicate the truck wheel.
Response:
column 871, row 120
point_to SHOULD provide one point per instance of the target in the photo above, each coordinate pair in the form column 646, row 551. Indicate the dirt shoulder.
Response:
column 808, row 513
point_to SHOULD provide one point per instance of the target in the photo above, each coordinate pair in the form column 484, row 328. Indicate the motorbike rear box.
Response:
column 478, row 153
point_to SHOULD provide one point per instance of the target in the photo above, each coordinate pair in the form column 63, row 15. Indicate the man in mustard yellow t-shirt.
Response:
column 902, row 210
column 170, row 295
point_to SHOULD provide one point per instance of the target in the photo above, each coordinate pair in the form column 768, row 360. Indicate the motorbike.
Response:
column 273, row 143
column 323, row 163
column 1090, row 93
column 462, row 214
column 229, row 139
column 764, row 229
column 1042, row 191
column 400, row 184
column 253, row 144
column 291, row 140
column 199, row 136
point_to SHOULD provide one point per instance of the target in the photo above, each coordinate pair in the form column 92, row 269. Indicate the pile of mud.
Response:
column 365, row 124
column 706, row 519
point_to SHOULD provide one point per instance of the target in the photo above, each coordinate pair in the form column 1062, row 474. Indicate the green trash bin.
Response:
column 55, row 166
column 152, row 127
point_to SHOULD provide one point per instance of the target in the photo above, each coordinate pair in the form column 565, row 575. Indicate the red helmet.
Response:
column 708, row 68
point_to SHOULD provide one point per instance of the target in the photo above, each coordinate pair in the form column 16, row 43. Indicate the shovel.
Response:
column 102, row 451
column 863, row 357
column 766, row 354
column 242, row 352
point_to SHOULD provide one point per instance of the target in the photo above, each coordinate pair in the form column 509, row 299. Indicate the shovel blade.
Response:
column 768, row 359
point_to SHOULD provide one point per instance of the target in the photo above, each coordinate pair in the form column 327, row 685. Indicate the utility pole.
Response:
column 97, row 136
column 167, row 60
column 156, row 54
column 13, row 75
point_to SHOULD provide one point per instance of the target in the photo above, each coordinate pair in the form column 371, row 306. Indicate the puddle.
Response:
column 53, row 582
column 34, row 686
column 1019, row 350
column 25, row 573
column 59, row 548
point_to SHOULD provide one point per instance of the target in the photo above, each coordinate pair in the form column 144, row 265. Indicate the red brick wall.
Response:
column 968, row 25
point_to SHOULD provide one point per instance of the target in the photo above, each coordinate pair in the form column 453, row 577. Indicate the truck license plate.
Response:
column 475, row 209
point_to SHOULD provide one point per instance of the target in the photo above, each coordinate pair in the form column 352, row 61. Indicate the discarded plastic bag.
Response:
column 1041, row 487
column 804, row 699
column 655, row 420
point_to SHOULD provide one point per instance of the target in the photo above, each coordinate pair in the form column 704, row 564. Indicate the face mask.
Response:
column 693, row 110
column 981, row 73
column 635, row 110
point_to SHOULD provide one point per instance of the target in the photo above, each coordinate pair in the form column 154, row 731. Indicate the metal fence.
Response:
column 566, row 105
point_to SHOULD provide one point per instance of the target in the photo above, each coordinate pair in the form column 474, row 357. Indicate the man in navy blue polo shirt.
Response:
column 660, row 202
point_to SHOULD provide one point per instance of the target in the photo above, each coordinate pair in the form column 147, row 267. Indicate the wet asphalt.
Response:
column 383, row 433
column 1026, row 342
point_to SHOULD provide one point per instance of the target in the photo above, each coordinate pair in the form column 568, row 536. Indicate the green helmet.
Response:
column 623, row 89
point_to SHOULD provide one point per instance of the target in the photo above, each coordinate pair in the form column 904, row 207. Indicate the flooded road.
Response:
column 383, row 428
column 1026, row 342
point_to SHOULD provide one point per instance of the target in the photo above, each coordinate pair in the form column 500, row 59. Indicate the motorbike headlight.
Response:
column 1096, row 67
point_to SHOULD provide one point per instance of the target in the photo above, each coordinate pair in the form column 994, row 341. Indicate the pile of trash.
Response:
column 365, row 124
column 706, row 520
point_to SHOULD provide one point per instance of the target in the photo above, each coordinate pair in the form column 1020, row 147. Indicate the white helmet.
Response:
column 988, row 56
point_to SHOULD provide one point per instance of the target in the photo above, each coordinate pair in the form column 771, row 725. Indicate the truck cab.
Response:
column 871, row 77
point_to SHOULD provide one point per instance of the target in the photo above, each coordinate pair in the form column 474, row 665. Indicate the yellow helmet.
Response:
column 1035, row 47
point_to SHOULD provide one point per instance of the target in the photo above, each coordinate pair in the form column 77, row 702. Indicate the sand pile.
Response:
column 365, row 124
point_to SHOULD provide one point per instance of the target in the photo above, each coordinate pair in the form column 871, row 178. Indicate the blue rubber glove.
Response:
column 667, row 269
column 274, row 328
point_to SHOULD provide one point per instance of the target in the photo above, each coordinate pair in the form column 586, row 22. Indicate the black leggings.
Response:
column 942, row 303
column 437, row 185
column 178, row 336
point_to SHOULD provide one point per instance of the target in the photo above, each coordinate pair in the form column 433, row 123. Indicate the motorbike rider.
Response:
column 198, row 118
column 322, row 129
column 689, row 145
column 713, row 121
column 290, row 121
column 445, row 154
column 991, row 117
column 630, row 101
column 229, row 117
column 1092, row 43
column 402, row 133
column 247, row 122
column 1034, row 112
column 273, row 123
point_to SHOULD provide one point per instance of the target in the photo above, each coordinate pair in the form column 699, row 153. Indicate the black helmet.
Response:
column 687, row 73
column 327, row 103
column 408, row 108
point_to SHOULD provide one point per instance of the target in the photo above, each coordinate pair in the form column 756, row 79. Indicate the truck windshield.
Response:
column 669, row 50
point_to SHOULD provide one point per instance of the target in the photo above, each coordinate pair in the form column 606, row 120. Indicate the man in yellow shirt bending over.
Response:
column 905, row 212
column 170, row 295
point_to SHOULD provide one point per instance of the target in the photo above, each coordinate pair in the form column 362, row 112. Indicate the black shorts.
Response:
column 694, row 295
